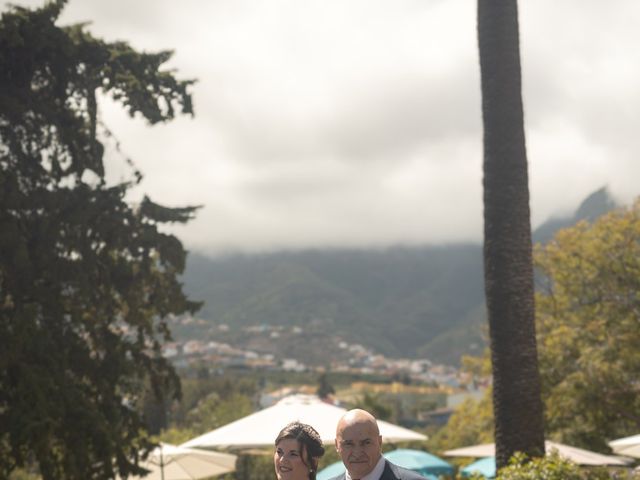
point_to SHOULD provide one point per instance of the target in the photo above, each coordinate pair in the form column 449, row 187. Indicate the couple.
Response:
column 358, row 442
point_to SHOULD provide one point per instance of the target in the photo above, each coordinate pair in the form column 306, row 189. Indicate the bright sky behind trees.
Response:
column 331, row 123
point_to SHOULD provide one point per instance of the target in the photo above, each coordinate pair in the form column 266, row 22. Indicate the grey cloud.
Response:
column 403, row 115
column 372, row 123
column 324, row 122
column 299, row 184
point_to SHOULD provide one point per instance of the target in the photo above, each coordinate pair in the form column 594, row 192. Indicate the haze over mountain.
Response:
column 358, row 124
column 425, row 302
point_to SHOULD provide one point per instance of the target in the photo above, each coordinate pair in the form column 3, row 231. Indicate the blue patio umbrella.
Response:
column 330, row 471
column 485, row 467
column 420, row 461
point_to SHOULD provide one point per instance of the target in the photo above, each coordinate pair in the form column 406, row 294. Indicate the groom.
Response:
column 359, row 443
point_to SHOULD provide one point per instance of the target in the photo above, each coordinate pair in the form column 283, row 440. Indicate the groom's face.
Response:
column 360, row 447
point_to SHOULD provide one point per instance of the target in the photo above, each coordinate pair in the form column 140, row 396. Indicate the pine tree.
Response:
column 87, row 280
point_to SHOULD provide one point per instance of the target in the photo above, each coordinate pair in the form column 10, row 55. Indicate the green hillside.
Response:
column 423, row 302
column 397, row 301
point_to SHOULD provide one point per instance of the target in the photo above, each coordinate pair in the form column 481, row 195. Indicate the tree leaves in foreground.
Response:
column 589, row 329
column 553, row 467
column 86, row 279
column 588, row 314
column 470, row 424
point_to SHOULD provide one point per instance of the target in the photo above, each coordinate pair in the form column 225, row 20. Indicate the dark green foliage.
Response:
column 471, row 423
column 588, row 317
column 552, row 467
column 423, row 292
column 374, row 404
column 86, row 279
column 324, row 387
column 213, row 402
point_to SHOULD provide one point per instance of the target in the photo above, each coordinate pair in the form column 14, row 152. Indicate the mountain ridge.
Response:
column 420, row 302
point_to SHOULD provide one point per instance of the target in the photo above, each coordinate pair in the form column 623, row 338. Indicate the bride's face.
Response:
column 288, row 461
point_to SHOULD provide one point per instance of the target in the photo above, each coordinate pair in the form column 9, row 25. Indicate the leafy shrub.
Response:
column 552, row 467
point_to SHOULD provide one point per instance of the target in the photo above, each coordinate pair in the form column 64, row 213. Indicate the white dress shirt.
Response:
column 374, row 474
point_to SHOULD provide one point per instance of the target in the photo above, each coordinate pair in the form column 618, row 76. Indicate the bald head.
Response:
column 357, row 417
column 358, row 442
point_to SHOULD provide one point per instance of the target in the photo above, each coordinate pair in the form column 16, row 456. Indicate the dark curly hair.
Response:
column 310, row 442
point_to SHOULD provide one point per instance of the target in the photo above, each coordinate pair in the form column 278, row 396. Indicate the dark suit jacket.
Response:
column 391, row 472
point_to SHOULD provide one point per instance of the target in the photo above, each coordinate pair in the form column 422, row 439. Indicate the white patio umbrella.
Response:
column 574, row 454
column 629, row 446
column 261, row 428
column 170, row 462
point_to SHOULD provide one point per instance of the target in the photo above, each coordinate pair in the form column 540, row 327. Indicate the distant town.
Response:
column 361, row 360
column 406, row 378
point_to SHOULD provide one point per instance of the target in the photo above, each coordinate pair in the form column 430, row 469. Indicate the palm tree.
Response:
column 507, row 237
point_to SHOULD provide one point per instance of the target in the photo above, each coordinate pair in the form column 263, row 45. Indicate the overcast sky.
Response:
column 357, row 122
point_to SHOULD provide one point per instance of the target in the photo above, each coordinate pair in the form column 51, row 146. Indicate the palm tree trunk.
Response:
column 507, row 237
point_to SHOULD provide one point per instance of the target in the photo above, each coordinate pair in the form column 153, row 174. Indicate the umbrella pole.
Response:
column 161, row 464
